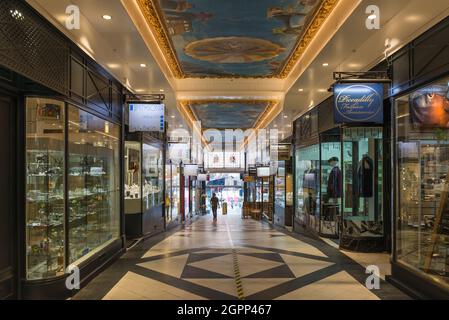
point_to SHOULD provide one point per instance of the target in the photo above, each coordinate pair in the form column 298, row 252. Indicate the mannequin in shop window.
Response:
column 365, row 182
column 365, row 177
column 311, row 185
column 335, row 181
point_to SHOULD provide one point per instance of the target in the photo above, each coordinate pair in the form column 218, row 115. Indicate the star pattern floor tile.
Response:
column 205, row 260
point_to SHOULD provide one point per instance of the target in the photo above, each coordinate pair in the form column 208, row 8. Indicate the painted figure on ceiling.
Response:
column 178, row 6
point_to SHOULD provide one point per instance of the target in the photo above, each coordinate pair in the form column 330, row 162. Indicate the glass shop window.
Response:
column 363, row 182
column 422, row 221
column 45, row 222
column 331, row 186
column 308, row 186
column 153, row 179
column 93, row 183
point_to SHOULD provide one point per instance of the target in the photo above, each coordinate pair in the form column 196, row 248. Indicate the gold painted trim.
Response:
column 153, row 19
column 321, row 16
column 150, row 12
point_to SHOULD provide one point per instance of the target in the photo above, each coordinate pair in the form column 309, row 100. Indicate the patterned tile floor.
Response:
column 234, row 259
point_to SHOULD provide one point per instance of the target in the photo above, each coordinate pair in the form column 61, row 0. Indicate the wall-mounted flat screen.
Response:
column 146, row 117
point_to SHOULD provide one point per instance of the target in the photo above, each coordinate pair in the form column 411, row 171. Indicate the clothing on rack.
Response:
column 335, row 183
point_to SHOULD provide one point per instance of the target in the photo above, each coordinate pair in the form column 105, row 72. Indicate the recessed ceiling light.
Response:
column 161, row 90
column 275, row 125
column 143, row 65
column 285, row 116
column 173, row 117
column 322, row 90
column 372, row 17
column 107, row 17
column 180, row 125
column 301, row 90
column 325, row 64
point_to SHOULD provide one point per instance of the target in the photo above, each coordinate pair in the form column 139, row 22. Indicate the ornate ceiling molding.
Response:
column 153, row 16
column 321, row 16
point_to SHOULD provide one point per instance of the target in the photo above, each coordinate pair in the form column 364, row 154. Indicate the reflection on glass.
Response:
column 152, row 176
column 44, row 188
column 280, row 185
column 331, row 186
column 363, row 179
column 308, row 186
column 423, row 171
column 93, row 182
column 133, row 177
column 133, row 171
column 171, row 192
column 289, row 189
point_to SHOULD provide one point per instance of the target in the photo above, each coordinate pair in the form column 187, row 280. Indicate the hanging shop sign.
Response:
column 145, row 117
column 191, row 170
column 358, row 103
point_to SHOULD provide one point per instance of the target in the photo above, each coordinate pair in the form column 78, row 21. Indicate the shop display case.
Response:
column 45, row 213
column 133, row 177
column 422, row 220
column 93, row 183
column 153, row 178
column 80, row 204
column 144, row 183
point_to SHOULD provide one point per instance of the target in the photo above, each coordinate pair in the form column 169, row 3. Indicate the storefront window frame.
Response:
column 414, row 270
column 66, row 104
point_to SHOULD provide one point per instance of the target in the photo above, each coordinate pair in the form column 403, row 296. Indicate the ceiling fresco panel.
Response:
column 238, row 114
column 233, row 38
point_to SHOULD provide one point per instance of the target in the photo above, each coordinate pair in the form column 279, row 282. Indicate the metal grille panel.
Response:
column 31, row 48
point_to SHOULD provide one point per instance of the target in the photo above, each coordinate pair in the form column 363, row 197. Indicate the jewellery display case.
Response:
column 45, row 214
column 153, row 179
column 133, row 177
column 71, row 194
column 93, row 183
column 144, row 182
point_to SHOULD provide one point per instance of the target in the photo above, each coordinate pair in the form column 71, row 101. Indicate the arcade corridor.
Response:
column 318, row 128
column 234, row 259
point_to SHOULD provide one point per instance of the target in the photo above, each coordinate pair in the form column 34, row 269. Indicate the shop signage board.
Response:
column 146, row 117
column 191, row 170
column 358, row 103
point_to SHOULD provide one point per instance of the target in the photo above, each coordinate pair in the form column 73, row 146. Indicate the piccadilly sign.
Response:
column 358, row 103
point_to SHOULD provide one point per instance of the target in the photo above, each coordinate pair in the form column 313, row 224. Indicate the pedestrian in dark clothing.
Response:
column 214, row 203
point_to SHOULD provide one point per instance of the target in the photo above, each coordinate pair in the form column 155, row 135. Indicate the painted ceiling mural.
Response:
column 229, row 114
column 234, row 38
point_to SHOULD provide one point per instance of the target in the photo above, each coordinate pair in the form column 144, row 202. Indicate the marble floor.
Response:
column 234, row 259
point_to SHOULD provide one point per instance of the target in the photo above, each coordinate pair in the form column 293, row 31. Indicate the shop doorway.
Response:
column 7, row 189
